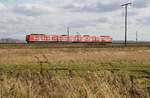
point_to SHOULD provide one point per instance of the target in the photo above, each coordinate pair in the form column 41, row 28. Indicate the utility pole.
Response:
column 68, row 32
column 136, row 36
column 78, row 36
column 126, row 9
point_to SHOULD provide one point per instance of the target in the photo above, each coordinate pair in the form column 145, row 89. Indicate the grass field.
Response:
column 74, row 72
column 70, row 45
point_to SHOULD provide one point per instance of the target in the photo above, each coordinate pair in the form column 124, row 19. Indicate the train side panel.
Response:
column 38, row 38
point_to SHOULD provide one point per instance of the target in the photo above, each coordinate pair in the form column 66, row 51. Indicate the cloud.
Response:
column 80, row 15
column 102, row 20
column 50, row 0
column 93, row 7
column 141, row 3
column 2, row 7
column 34, row 9
column 85, row 5
column 144, row 21
column 88, row 23
column 10, row 0
column 20, row 20
column 82, row 24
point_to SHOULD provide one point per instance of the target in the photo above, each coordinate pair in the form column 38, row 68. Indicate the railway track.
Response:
column 69, row 45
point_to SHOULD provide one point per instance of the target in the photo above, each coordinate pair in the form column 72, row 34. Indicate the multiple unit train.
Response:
column 41, row 38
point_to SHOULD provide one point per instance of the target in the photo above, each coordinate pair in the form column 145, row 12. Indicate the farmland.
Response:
column 70, row 45
column 27, row 71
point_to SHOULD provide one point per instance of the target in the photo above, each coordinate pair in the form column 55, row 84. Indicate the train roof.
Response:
column 37, row 34
column 104, row 36
column 74, row 35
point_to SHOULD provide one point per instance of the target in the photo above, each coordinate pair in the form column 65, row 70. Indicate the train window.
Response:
column 70, row 38
column 107, row 38
column 93, row 38
column 59, row 38
column 40, row 38
column 27, row 37
column 85, row 38
column 64, row 38
column 90, row 39
column 54, row 38
column 45, row 38
column 35, row 38
column 50, row 38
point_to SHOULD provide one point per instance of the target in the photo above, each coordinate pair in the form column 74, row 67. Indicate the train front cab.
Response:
column 27, row 38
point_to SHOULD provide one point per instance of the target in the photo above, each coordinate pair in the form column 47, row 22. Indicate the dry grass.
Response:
column 27, row 56
column 96, row 85
column 75, row 73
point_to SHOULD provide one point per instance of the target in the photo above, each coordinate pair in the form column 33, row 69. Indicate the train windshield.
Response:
column 27, row 37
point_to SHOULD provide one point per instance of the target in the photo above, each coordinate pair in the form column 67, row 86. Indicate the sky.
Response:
column 19, row 18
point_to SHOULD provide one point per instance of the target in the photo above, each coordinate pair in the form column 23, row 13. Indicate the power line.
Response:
column 126, row 9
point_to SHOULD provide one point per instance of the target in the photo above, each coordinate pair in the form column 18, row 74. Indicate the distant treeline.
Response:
column 130, row 41
column 10, row 40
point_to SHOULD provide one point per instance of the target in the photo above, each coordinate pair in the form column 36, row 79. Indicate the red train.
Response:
column 41, row 38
